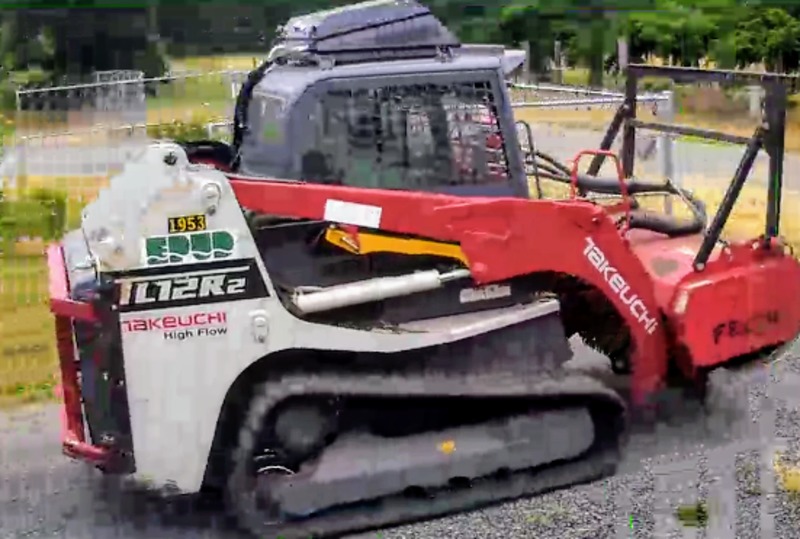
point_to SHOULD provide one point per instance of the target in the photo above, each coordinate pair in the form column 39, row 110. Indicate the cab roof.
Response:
column 289, row 81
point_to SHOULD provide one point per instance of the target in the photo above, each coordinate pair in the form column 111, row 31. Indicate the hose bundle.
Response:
column 547, row 167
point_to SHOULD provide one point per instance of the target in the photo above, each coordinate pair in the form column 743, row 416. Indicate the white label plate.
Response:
column 351, row 213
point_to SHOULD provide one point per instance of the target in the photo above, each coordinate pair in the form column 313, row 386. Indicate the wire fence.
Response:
column 91, row 128
column 558, row 105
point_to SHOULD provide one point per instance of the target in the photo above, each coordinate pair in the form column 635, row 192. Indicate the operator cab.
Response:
column 380, row 95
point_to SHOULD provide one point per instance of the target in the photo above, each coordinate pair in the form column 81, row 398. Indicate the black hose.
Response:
column 240, row 109
column 553, row 161
column 641, row 219
column 549, row 169
column 665, row 224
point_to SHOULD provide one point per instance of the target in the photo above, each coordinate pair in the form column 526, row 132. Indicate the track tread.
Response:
column 241, row 492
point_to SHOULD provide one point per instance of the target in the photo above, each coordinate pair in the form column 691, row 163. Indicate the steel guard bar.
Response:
column 65, row 309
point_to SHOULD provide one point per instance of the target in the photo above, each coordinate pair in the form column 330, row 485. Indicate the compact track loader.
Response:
column 356, row 314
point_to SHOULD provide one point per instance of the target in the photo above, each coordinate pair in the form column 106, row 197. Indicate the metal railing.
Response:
column 553, row 96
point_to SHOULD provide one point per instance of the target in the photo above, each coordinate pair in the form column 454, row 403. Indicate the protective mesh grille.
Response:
column 416, row 136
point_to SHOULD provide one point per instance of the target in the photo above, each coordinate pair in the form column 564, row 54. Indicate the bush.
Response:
column 178, row 131
column 41, row 213
column 8, row 96
column 654, row 84
column 181, row 131
column 54, row 205
column 712, row 100
column 152, row 61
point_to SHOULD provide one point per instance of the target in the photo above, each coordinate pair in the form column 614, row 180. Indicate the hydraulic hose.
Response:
column 549, row 168
column 243, row 103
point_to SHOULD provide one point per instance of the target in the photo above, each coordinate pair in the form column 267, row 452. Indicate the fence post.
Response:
column 668, row 147
column 21, row 168
column 15, row 147
column 526, row 65
column 755, row 96
column 558, row 65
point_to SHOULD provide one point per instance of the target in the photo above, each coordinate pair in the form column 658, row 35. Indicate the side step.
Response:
column 363, row 466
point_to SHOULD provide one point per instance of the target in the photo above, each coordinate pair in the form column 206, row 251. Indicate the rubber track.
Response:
column 597, row 464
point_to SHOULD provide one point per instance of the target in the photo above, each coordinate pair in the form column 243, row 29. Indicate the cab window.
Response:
column 420, row 137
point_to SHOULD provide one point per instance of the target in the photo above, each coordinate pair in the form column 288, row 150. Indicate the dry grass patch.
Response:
column 28, row 366
column 747, row 219
column 235, row 62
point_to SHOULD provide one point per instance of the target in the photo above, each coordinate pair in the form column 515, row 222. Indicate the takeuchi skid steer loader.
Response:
column 356, row 314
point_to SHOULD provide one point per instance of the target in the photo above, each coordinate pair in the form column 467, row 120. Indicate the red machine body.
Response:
column 747, row 297
column 700, row 319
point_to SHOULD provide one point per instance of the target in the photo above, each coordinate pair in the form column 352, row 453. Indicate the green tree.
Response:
column 768, row 35
column 71, row 35
column 542, row 22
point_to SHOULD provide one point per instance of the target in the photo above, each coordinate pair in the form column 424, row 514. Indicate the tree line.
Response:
column 725, row 33
column 57, row 37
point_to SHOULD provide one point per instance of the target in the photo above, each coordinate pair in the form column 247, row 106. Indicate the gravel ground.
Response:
column 723, row 461
column 687, row 458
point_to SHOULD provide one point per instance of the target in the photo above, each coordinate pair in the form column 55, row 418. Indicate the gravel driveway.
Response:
column 685, row 459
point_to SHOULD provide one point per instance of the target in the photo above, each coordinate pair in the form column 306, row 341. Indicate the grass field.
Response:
column 27, row 349
column 237, row 62
column 27, row 345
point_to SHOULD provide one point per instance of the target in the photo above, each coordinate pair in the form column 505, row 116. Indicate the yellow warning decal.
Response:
column 366, row 243
column 787, row 472
column 447, row 447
